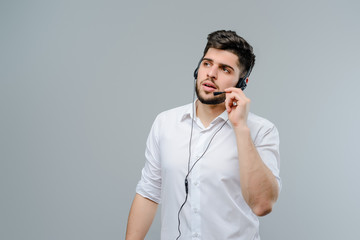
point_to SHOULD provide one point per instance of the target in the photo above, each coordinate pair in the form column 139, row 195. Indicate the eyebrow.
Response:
column 221, row 64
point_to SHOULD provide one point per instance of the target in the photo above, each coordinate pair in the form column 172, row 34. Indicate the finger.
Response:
column 233, row 96
column 227, row 105
column 230, row 100
column 235, row 101
column 232, row 89
column 236, row 90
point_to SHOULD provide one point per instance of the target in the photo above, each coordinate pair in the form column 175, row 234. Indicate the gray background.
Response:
column 82, row 81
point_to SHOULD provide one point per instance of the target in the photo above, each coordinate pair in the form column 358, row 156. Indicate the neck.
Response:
column 206, row 113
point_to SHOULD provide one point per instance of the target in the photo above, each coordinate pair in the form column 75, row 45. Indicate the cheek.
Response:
column 201, row 73
column 230, row 83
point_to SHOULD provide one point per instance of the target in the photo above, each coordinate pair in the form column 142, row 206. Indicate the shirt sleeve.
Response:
column 149, row 185
column 268, row 148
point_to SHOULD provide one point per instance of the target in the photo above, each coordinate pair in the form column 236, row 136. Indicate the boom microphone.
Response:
column 218, row 93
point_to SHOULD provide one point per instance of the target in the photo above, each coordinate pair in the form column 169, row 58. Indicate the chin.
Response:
column 208, row 97
column 212, row 100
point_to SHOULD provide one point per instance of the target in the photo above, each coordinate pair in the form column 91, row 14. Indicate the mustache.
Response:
column 211, row 80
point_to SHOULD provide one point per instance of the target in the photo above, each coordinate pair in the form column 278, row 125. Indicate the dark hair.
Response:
column 230, row 41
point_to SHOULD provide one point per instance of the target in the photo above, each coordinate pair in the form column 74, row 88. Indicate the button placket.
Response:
column 198, row 149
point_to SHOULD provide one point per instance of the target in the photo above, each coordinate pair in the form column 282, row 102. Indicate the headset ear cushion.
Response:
column 243, row 87
column 196, row 72
column 241, row 84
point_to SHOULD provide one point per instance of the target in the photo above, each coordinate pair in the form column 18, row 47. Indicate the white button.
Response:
column 196, row 210
column 196, row 183
column 195, row 235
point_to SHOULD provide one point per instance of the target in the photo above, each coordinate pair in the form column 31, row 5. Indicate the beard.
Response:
column 212, row 100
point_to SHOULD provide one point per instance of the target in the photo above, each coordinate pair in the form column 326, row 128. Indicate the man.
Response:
column 212, row 165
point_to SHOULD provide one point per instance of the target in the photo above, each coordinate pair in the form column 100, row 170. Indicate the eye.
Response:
column 225, row 69
column 206, row 64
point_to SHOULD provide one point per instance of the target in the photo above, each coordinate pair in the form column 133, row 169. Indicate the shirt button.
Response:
column 196, row 183
column 195, row 235
column 196, row 210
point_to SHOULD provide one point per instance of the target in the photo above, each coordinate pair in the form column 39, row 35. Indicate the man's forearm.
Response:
column 141, row 215
column 258, row 184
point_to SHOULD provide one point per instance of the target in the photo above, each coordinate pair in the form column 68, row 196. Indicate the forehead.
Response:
column 223, row 57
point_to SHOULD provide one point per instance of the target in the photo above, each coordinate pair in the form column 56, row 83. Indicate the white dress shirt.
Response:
column 216, row 209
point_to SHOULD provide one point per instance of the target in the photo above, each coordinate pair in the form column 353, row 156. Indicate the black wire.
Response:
column 190, row 169
column 207, row 147
column 179, row 216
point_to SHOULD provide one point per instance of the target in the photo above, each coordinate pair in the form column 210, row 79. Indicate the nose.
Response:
column 212, row 72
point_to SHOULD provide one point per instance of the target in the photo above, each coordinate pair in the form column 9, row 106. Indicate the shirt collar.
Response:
column 188, row 113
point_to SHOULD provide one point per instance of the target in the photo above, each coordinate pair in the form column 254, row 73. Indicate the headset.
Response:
column 242, row 83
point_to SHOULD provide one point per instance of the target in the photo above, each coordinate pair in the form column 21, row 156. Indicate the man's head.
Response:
column 227, row 58
column 230, row 41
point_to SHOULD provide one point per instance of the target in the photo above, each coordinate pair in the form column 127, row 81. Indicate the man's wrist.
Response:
column 241, row 129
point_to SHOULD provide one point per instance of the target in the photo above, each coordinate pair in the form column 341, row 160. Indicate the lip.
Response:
column 209, row 86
